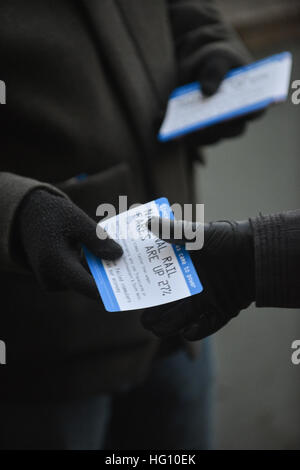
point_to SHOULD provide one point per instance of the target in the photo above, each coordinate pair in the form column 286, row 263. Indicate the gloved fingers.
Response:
column 255, row 114
column 75, row 277
column 208, row 323
column 175, row 317
column 178, row 232
column 206, row 136
column 239, row 122
column 95, row 238
column 234, row 127
column 225, row 129
column 213, row 134
column 198, row 331
column 169, row 319
column 101, row 245
column 205, row 239
column 154, row 315
column 65, row 271
column 213, row 71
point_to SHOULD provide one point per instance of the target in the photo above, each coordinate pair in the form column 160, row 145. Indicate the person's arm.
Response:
column 256, row 260
column 13, row 189
column 206, row 47
column 42, row 232
column 277, row 259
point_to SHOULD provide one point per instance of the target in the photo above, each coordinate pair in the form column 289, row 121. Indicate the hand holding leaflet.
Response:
column 244, row 90
column 151, row 272
column 225, row 264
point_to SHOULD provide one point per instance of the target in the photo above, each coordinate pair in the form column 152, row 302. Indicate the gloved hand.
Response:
column 52, row 230
column 210, row 73
column 225, row 266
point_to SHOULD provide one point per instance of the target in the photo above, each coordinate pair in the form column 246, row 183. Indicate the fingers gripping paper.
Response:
column 244, row 90
column 151, row 272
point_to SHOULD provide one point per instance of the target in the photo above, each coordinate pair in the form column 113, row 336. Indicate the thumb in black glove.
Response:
column 210, row 72
column 225, row 266
column 52, row 230
column 213, row 70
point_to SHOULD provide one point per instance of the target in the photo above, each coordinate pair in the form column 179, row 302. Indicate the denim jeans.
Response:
column 171, row 409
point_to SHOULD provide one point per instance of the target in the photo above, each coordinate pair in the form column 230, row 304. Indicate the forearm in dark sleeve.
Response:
column 199, row 30
column 277, row 259
column 13, row 189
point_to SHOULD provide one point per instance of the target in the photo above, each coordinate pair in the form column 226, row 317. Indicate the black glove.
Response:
column 210, row 73
column 225, row 266
column 52, row 231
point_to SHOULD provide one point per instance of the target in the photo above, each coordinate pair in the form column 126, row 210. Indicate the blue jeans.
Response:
column 171, row 409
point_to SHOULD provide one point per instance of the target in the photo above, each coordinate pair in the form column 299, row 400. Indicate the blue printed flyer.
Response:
column 151, row 272
column 244, row 90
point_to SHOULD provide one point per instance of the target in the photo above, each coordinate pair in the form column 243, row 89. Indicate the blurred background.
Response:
column 257, row 386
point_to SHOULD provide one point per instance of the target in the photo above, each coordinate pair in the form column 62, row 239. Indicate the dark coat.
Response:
column 86, row 81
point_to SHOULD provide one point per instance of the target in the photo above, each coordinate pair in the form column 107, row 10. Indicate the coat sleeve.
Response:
column 13, row 189
column 277, row 259
column 199, row 30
